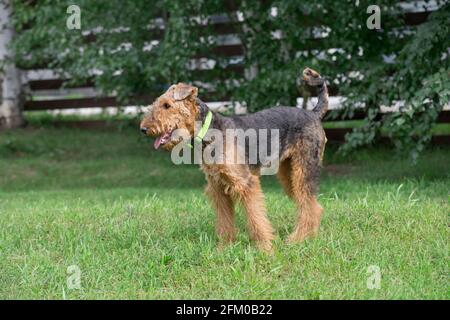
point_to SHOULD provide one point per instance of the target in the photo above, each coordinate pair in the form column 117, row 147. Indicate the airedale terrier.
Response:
column 301, row 146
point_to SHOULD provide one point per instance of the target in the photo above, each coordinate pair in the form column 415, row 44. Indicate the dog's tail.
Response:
column 313, row 78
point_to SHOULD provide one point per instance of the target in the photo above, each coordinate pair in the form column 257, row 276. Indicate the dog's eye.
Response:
column 166, row 106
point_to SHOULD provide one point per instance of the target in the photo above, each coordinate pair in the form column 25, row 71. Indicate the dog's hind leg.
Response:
column 284, row 176
column 224, row 207
column 304, row 175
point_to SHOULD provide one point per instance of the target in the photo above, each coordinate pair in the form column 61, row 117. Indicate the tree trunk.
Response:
column 11, row 87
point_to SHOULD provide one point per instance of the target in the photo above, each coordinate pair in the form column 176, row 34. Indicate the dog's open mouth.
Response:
column 163, row 139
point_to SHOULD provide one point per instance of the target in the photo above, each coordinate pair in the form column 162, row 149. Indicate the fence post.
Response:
column 10, row 77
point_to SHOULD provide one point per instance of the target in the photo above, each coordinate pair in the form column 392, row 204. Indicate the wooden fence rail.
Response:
column 222, row 27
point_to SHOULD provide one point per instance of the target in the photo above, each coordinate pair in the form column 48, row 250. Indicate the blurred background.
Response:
column 387, row 63
column 81, row 189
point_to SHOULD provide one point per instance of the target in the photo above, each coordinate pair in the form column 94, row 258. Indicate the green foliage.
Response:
column 418, row 78
column 277, row 47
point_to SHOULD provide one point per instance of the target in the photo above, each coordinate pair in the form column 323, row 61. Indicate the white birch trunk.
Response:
column 10, row 77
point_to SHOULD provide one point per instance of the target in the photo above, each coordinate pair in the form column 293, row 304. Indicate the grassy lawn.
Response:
column 139, row 227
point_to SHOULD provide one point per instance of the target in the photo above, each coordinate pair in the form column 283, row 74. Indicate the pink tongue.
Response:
column 157, row 142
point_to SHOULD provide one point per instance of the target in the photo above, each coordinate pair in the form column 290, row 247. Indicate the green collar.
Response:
column 204, row 129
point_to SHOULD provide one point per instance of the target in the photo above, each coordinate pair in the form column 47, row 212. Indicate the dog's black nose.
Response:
column 144, row 130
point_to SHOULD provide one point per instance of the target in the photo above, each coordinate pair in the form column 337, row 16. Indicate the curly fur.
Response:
column 302, row 142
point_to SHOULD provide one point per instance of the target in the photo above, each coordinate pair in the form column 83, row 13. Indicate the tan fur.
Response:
column 309, row 210
column 230, row 183
column 237, row 183
column 224, row 207
column 284, row 176
column 180, row 115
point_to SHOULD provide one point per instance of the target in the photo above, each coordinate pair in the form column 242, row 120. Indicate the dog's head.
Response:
column 175, row 109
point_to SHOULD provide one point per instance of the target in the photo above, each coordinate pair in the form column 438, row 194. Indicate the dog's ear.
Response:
column 183, row 91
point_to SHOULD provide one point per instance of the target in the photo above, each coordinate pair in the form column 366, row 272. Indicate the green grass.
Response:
column 139, row 227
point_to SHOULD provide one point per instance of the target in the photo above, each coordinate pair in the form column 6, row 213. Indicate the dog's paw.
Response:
column 266, row 247
column 297, row 237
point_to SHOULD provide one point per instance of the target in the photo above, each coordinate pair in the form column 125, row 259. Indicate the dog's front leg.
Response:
column 224, row 207
column 259, row 226
column 246, row 187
